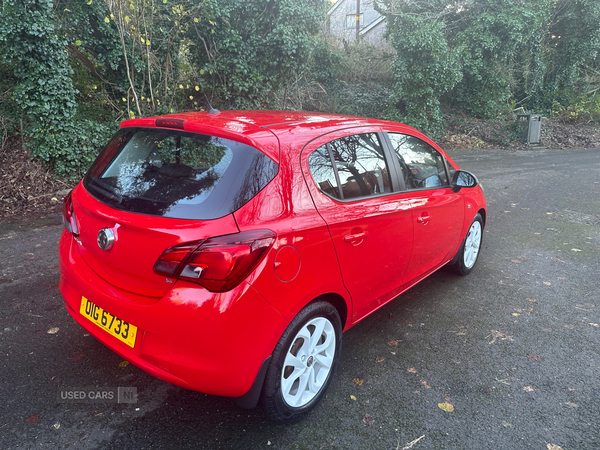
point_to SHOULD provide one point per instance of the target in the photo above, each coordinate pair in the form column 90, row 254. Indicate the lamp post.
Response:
column 357, row 20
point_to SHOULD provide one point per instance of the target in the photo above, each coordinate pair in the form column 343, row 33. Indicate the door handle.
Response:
column 424, row 219
column 355, row 238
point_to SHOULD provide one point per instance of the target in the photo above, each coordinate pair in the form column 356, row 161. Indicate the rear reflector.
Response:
column 68, row 216
column 219, row 264
column 170, row 123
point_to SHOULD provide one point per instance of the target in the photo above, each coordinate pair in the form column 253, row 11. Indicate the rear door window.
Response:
column 321, row 169
column 351, row 167
column 177, row 174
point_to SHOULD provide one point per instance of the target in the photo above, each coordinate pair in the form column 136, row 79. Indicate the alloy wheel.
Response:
column 308, row 362
column 472, row 244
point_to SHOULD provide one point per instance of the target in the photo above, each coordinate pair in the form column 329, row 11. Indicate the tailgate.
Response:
column 139, row 241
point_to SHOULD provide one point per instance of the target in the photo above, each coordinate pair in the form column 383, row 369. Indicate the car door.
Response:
column 358, row 195
column 437, row 211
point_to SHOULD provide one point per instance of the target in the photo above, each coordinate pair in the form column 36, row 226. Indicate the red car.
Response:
column 226, row 252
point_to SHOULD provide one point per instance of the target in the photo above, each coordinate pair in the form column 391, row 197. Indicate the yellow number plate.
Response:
column 123, row 331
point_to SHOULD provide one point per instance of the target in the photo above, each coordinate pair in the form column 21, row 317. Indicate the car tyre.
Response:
column 303, row 363
column 465, row 259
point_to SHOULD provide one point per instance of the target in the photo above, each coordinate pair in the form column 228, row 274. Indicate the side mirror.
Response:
column 463, row 179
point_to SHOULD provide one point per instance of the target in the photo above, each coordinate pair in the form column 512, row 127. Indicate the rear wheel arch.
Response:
column 338, row 302
column 303, row 362
column 335, row 299
column 263, row 386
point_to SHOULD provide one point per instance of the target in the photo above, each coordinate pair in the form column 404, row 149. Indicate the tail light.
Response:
column 218, row 264
column 69, row 220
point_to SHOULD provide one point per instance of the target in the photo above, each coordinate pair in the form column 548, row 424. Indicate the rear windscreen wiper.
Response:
column 105, row 192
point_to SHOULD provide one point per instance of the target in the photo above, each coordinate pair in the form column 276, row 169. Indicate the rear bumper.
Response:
column 213, row 343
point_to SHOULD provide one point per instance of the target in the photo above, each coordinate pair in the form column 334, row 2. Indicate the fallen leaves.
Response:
column 123, row 364
column 495, row 334
column 27, row 186
column 424, row 383
column 521, row 310
column 357, row 381
column 352, row 397
column 533, row 357
column 553, row 447
column 446, row 407
column 392, row 343
column 529, row 389
column 379, row 359
column 462, row 330
column 33, row 418
column 411, row 370
column 585, row 306
column 547, row 283
column 53, row 330
column 368, row 420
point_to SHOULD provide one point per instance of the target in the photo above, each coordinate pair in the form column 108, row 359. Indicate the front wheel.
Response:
column 465, row 259
column 303, row 363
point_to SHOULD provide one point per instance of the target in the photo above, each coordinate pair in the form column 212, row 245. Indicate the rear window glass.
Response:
column 176, row 174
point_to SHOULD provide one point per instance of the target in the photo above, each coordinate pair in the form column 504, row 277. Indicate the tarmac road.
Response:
column 514, row 347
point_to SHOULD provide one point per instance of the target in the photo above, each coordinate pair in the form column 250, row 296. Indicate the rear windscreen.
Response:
column 176, row 174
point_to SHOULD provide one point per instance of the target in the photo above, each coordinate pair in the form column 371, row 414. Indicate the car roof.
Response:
column 257, row 127
column 262, row 119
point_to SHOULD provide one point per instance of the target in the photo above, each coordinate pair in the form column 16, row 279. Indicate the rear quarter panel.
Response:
column 285, row 206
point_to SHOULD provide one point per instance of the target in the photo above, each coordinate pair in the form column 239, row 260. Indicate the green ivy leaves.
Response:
column 485, row 57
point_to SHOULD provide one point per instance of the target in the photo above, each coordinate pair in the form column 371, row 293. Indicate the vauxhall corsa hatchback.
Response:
column 226, row 252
